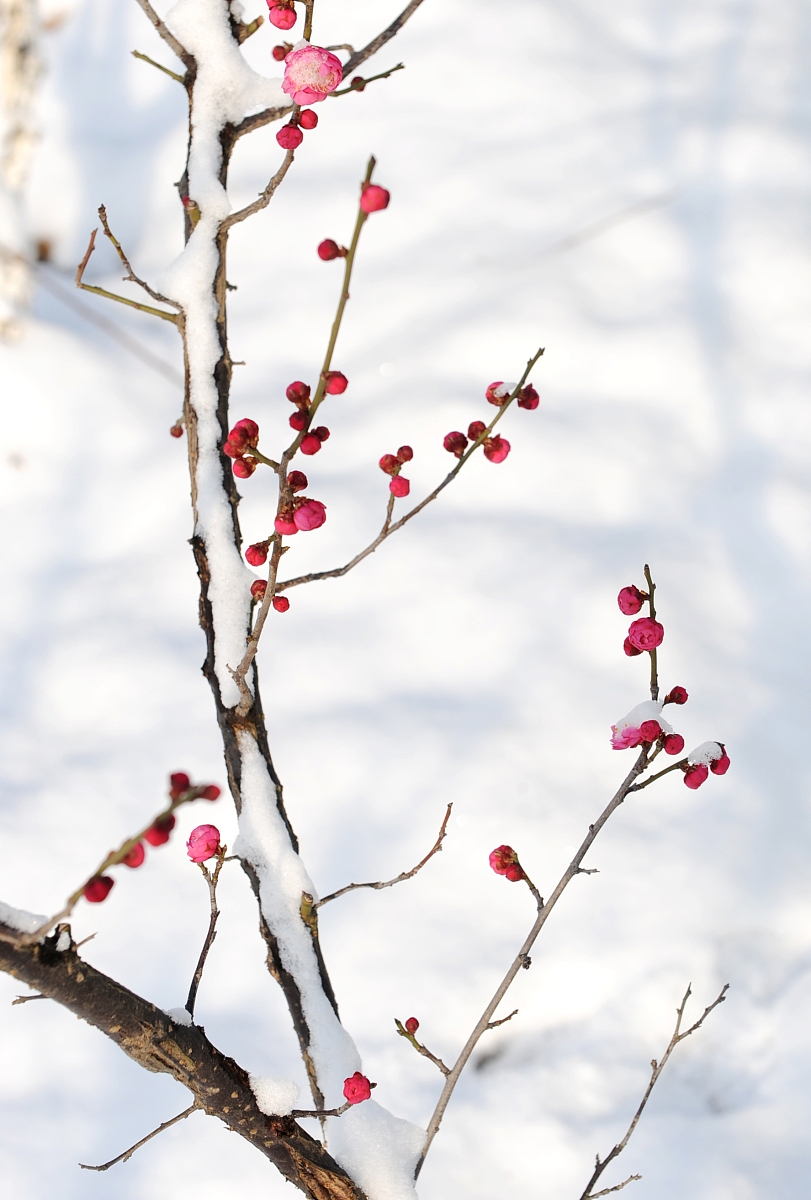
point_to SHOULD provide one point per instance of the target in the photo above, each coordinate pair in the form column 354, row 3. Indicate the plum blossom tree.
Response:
column 228, row 101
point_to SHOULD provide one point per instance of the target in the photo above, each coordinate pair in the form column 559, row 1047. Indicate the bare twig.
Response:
column 388, row 529
column 503, row 1021
column 25, row 999
column 617, row 1187
column 676, row 766
column 244, row 31
column 129, row 1153
column 522, row 959
column 654, row 677
column 131, row 277
column 86, row 287
column 383, row 75
column 170, row 39
column 351, row 887
column 151, row 61
column 421, row 1049
column 211, row 878
column 319, row 1112
column 264, row 198
column 378, row 42
column 656, row 1071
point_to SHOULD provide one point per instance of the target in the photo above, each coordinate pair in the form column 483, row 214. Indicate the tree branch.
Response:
column 377, row 43
column 131, row 277
column 265, row 197
column 657, row 1068
column 211, row 880
column 86, row 287
column 180, row 79
column 170, row 39
column 129, row 1153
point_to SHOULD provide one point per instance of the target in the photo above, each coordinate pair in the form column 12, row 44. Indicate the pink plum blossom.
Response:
column 280, row 603
column 630, row 600
column 721, row 765
column 650, row 730
column 203, row 843
column 135, row 857
column 627, row 738
column 289, row 137
column 284, row 524
column 310, row 74
column 373, row 198
column 283, row 16
column 504, row 861
column 646, row 634
column 674, row 743
column 310, row 515
column 258, row 589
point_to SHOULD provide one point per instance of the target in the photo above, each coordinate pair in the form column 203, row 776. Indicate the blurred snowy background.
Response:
column 627, row 185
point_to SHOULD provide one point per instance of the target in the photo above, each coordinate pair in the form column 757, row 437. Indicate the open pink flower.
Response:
column 627, row 738
column 310, row 74
column 203, row 843
column 357, row 1088
column 310, row 515
column 646, row 634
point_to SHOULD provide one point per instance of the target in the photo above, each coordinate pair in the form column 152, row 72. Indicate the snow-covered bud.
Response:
column 298, row 393
column 630, row 649
column 399, row 487
column 496, row 448
column 498, row 393
column 328, row 249
column 528, row 397
column 650, row 730
column 310, row 74
column 673, row 743
column 298, row 420
column 297, row 481
column 405, row 454
column 646, row 634
column 311, row 514
column 504, row 861
column 135, row 857
column 258, row 589
column 357, row 1088
column 283, row 16
column 676, row 695
column 310, row 443
column 243, row 468
column 257, row 554
column 98, row 888
column 210, row 792
column 412, row 1025
column 373, row 198
column 203, row 843
column 335, row 382
column 721, row 765
column 176, row 431
column 455, row 443
column 390, row 464
column 308, row 119
column 280, row 53
column 284, row 523
column 289, row 137
column 630, row 600
column 179, row 783
column 158, row 833
column 695, row 775
column 280, row 603
column 475, row 430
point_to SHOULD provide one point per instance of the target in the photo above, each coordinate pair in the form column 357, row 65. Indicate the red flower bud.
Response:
column 630, row 649
column 257, row 554
column 357, row 1088
column 298, row 393
column 210, row 792
column 475, row 429
column 203, row 843
column 695, row 775
column 280, row 603
column 676, row 695
column 328, row 249
column 179, row 783
column 244, row 467
column 311, row 514
column 280, row 53
column 528, row 397
column 721, row 765
column 335, row 382
column 289, row 137
column 98, row 888
column 258, row 589
column 244, row 436
column 405, row 454
column 399, row 487
column 412, row 1025
column 297, row 481
column 504, row 861
column 135, row 857
column 390, row 464
column 284, row 523
column 496, row 448
column 673, row 743
column 650, row 730
column 283, row 16
column 321, row 432
column 630, row 600
column 298, row 420
column 176, row 431
column 498, row 393
column 310, row 443
column 358, row 84
column 455, row 443
column 308, row 119
column 515, row 873
column 159, row 832
column 373, row 197
column 646, row 634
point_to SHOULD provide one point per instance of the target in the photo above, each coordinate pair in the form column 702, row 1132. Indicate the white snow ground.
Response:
column 479, row 659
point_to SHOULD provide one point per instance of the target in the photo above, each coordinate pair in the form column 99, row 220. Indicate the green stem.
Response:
column 156, row 312
column 654, row 675
column 151, row 61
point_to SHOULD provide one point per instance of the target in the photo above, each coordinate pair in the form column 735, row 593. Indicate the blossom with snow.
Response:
column 646, row 633
column 310, row 74
column 644, row 723
column 357, row 1088
column 203, row 843
column 498, row 393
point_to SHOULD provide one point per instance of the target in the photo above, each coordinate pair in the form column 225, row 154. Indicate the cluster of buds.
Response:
column 180, row 788
column 392, row 464
column 203, row 843
column 310, row 74
column 243, row 438
column 290, row 136
column 282, row 14
column 709, row 756
column 644, row 634
column 645, row 725
column 298, row 393
column 504, row 861
column 300, row 516
column 259, row 589
column 357, row 1088
column 496, row 448
column 498, row 393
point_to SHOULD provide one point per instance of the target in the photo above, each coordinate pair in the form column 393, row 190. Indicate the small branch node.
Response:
column 503, row 1021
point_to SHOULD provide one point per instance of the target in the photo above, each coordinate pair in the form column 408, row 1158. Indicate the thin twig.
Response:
column 319, row 1112
column 388, row 529
column 25, row 999
column 676, row 766
column 377, row 43
column 383, row 75
column 522, row 959
column 421, row 1049
column 351, row 887
column 264, row 198
column 211, row 879
column 654, row 677
column 503, row 1021
column 131, row 277
column 129, row 1153
column 86, row 287
column 170, row 39
column 656, row 1071
column 617, row 1187
column 160, row 66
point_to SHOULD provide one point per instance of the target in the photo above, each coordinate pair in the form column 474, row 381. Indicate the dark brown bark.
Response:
column 149, row 1037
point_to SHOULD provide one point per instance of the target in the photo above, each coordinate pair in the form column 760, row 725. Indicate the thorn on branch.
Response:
column 25, row 999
